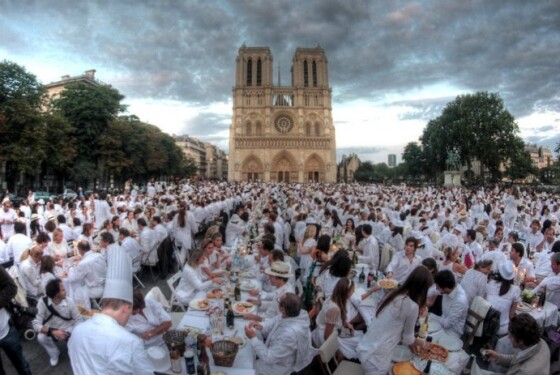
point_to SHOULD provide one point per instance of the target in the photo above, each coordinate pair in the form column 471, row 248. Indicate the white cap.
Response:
column 118, row 284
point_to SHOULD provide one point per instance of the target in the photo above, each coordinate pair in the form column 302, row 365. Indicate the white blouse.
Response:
column 502, row 303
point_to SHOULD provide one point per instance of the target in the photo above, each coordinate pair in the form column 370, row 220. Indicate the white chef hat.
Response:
column 118, row 284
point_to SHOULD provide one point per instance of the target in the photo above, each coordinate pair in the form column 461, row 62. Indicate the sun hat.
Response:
column 506, row 270
column 34, row 217
column 278, row 269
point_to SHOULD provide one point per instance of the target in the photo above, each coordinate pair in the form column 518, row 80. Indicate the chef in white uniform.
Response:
column 102, row 345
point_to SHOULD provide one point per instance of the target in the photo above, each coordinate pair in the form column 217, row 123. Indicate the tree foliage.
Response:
column 81, row 137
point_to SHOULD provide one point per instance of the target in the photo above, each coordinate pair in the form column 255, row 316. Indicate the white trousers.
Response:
column 50, row 346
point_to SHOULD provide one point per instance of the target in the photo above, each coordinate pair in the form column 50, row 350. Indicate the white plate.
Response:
column 250, row 310
column 433, row 326
column 247, row 285
column 449, row 342
column 436, row 369
column 195, row 304
column 401, row 354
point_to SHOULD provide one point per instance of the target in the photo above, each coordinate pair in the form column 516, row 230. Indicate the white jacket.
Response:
column 287, row 348
column 101, row 346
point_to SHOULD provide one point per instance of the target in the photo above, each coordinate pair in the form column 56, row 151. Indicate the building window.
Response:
column 317, row 129
column 316, row 99
column 308, row 129
column 249, row 129
column 283, row 124
column 305, row 74
column 306, row 100
column 258, row 129
column 314, row 74
column 249, row 72
column 259, row 72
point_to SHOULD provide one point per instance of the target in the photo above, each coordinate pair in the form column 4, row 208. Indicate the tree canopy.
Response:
column 79, row 135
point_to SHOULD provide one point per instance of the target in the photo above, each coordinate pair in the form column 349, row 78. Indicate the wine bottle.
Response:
column 189, row 362
column 203, row 365
column 417, row 328
column 427, row 368
column 237, row 291
column 370, row 278
column 175, row 359
column 362, row 276
column 230, row 317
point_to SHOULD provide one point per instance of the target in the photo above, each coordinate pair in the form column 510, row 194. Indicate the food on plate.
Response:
column 203, row 304
column 215, row 293
column 243, row 307
column 87, row 313
column 434, row 352
column 388, row 283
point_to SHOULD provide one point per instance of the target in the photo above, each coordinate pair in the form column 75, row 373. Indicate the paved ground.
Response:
column 39, row 360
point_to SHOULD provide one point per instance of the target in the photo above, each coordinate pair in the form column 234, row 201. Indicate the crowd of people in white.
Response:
column 443, row 246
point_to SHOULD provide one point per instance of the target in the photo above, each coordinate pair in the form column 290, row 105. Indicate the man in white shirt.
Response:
column 56, row 318
column 18, row 243
column 494, row 254
column 370, row 249
column 552, row 282
column 90, row 272
column 404, row 262
column 156, row 225
column 132, row 247
column 149, row 242
column 454, row 305
column 102, row 345
column 69, row 234
column 7, row 219
column 288, row 340
column 101, row 210
column 524, row 269
column 472, row 251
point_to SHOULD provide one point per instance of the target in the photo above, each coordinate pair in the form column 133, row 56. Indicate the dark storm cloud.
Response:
column 186, row 50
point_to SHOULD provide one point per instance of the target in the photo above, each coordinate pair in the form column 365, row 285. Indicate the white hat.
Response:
column 279, row 269
column 118, row 283
column 506, row 270
column 41, row 201
column 159, row 359
column 34, row 217
column 6, row 200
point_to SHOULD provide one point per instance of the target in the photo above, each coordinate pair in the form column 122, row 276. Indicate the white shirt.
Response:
column 92, row 269
column 117, row 351
column 552, row 284
column 10, row 216
column 149, row 241
column 371, row 252
column 474, row 284
column 66, row 308
column 401, row 267
column 287, row 348
column 102, row 212
column 454, row 308
column 31, row 277
column 183, row 235
column 16, row 245
column 190, row 283
column 134, row 250
column 155, row 316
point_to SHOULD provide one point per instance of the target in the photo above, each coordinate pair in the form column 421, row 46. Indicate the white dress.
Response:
column 393, row 325
column 502, row 303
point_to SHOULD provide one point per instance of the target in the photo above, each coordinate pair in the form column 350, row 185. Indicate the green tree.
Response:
column 520, row 165
column 90, row 109
column 60, row 146
column 414, row 162
column 478, row 126
column 22, row 130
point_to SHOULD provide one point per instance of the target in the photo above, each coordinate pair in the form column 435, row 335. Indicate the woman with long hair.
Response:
column 337, row 267
column 334, row 314
column 475, row 279
column 191, row 282
column 304, row 251
column 396, row 240
column 184, row 228
column 394, row 322
column 450, row 263
column 349, row 234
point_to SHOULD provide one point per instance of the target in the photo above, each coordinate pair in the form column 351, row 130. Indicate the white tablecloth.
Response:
column 545, row 317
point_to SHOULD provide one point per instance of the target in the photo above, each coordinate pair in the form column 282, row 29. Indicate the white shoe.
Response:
column 54, row 361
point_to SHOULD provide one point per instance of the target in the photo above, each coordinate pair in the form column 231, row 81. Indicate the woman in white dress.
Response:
column 184, row 228
column 349, row 234
column 58, row 248
column 149, row 320
column 191, row 280
column 305, row 249
column 394, row 322
column 503, row 295
column 210, row 267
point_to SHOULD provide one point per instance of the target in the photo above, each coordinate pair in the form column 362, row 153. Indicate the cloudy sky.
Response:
column 393, row 64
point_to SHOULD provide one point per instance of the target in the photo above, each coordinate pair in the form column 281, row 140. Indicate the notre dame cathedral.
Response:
column 282, row 133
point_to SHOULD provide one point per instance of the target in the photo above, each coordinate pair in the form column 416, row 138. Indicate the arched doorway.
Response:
column 283, row 168
column 314, row 169
column 252, row 169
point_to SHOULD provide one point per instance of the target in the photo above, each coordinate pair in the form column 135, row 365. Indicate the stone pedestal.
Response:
column 452, row 178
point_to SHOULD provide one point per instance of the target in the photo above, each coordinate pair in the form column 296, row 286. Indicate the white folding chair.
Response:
column 136, row 269
column 173, row 301
column 327, row 353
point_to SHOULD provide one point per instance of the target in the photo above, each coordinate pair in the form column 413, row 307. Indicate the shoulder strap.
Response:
column 53, row 312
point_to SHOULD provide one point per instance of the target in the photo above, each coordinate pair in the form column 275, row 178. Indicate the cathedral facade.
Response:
column 282, row 133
